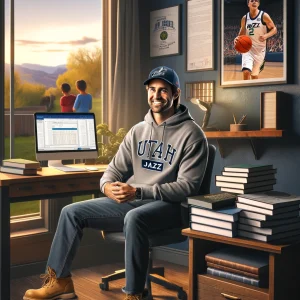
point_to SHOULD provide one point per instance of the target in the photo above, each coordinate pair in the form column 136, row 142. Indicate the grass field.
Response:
column 25, row 148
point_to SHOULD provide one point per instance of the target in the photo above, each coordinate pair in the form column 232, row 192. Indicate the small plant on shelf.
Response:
column 109, row 142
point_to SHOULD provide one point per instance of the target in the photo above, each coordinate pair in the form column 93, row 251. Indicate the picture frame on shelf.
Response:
column 272, row 64
column 165, row 31
column 199, row 35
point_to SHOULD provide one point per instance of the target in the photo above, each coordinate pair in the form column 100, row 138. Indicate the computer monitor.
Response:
column 64, row 136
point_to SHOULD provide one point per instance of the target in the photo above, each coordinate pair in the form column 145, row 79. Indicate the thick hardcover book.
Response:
column 268, row 238
column 214, row 222
column 247, row 260
column 21, row 163
column 269, row 231
column 229, row 214
column 247, row 168
column 249, row 175
column 236, row 277
column 270, row 199
column 263, row 217
column 231, row 270
column 213, row 201
column 18, row 171
column 265, row 211
column 245, row 186
column 269, row 224
column 214, row 230
column 247, row 191
column 245, row 179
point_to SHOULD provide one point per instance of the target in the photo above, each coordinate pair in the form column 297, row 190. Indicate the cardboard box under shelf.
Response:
column 273, row 110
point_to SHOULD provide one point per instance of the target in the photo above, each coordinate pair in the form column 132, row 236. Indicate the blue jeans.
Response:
column 138, row 219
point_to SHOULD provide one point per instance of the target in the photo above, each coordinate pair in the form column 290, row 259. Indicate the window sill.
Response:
column 31, row 232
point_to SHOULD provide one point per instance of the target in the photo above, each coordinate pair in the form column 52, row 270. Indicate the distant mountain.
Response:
column 37, row 74
column 47, row 69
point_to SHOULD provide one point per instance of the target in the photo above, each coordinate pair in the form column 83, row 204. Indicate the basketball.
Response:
column 243, row 44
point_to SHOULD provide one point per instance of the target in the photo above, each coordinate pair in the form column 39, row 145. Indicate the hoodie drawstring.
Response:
column 148, row 155
column 162, row 138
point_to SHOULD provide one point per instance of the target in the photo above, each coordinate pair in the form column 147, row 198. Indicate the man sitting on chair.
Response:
column 167, row 155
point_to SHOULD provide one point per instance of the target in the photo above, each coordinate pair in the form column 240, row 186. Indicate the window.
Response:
column 46, row 44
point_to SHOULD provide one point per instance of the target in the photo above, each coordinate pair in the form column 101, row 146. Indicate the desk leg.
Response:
column 4, row 244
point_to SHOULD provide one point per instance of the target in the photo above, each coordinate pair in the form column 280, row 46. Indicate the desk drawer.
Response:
column 53, row 187
column 214, row 288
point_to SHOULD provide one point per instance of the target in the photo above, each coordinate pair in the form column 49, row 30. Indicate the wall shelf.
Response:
column 251, row 135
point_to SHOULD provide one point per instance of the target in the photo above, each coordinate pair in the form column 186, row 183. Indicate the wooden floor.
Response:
column 86, row 283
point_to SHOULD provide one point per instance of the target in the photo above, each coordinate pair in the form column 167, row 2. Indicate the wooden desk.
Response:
column 49, row 183
column 284, row 266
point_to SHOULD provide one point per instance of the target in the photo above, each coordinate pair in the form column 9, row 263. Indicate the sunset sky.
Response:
column 47, row 31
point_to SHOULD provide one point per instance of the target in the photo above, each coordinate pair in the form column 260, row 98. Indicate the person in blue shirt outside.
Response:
column 83, row 102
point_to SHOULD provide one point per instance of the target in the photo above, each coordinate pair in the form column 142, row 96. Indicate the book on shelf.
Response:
column 214, row 222
column 270, row 223
column 244, row 179
column 18, row 171
column 270, row 199
column 247, row 260
column 214, row 230
column 247, row 168
column 287, row 240
column 245, row 186
column 231, row 270
column 249, row 190
column 229, row 214
column 237, row 277
column 269, row 212
column 213, row 201
column 21, row 163
column 263, row 217
column 268, row 238
column 249, row 175
column 269, row 231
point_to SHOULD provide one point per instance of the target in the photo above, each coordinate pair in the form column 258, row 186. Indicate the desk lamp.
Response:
column 206, row 107
column 201, row 93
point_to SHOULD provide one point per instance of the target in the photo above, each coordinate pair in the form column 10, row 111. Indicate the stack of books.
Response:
column 20, row 166
column 214, row 213
column 239, row 264
column 269, row 217
column 245, row 178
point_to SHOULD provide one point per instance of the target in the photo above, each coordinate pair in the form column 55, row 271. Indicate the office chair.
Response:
column 163, row 238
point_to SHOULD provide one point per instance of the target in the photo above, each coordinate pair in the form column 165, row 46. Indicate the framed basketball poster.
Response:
column 253, row 42
column 164, row 31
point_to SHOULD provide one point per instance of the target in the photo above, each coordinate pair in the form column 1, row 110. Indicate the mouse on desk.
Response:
column 92, row 168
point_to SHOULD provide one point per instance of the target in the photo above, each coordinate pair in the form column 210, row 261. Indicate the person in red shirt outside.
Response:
column 67, row 100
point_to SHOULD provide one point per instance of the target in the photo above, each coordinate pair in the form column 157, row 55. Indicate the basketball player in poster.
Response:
column 259, row 26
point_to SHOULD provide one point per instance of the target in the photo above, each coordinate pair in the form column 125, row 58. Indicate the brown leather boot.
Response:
column 52, row 288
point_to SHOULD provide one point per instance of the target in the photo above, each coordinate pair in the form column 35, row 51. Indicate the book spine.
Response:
column 232, row 264
column 235, row 277
column 231, row 270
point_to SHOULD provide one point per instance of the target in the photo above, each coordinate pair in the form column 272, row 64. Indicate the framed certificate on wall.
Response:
column 164, row 31
column 199, row 35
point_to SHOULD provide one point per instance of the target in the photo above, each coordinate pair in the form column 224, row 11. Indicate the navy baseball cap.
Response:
column 164, row 73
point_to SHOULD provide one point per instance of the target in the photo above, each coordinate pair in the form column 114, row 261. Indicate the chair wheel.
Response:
column 182, row 295
column 104, row 286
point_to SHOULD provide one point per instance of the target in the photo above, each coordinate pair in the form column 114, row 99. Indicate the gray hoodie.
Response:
column 167, row 161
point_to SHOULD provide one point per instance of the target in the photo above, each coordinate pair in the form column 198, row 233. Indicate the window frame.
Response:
column 29, row 230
